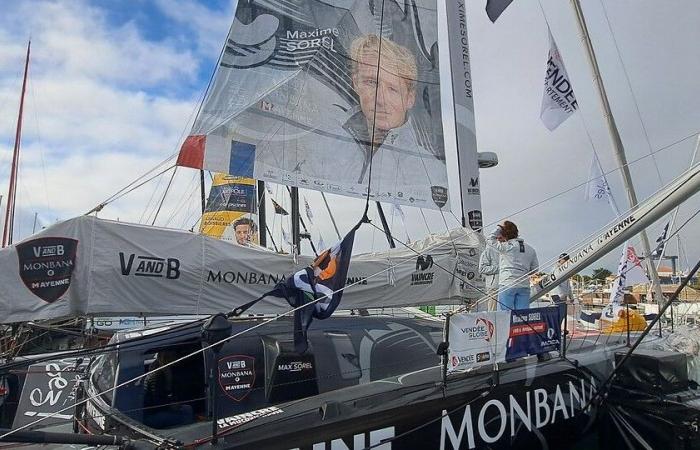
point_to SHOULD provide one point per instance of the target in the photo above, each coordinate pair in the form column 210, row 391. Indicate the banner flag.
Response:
column 477, row 339
column 558, row 99
column 309, row 214
column 231, row 210
column 323, row 282
column 534, row 331
column 278, row 208
column 661, row 242
column 302, row 98
column 494, row 8
column 629, row 272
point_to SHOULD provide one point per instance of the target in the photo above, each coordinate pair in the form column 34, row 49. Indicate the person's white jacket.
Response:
column 517, row 260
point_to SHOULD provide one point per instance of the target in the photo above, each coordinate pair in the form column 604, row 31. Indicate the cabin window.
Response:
column 104, row 375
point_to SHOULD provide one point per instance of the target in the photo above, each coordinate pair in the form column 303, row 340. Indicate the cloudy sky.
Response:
column 114, row 86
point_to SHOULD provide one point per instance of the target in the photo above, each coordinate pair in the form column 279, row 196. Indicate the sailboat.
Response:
column 289, row 103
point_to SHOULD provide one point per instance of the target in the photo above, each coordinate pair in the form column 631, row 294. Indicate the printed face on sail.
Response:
column 388, row 97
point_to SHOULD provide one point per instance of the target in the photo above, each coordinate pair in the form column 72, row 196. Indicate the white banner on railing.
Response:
column 477, row 339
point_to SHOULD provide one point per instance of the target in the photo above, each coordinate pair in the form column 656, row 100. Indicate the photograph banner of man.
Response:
column 231, row 211
column 332, row 96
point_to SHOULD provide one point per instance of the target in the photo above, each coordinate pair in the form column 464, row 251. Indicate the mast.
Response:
column 11, row 194
column 616, row 142
column 201, row 190
column 385, row 225
column 623, row 228
column 296, row 235
column 262, row 216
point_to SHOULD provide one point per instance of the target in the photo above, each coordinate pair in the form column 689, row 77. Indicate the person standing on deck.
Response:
column 564, row 289
column 517, row 261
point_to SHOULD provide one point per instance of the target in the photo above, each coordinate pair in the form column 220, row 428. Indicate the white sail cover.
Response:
column 91, row 266
column 326, row 94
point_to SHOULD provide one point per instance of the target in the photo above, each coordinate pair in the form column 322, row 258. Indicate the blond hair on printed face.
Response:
column 395, row 58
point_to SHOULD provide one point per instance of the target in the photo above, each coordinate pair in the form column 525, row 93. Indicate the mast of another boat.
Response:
column 616, row 142
column 10, row 209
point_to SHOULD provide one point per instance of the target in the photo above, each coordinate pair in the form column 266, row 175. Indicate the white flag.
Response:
column 635, row 272
column 629, row 272
column 286, row 236
column 598, row 187
column 558, row 100
column 309, row 214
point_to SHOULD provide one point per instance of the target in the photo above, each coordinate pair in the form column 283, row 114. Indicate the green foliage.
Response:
column 601, row 274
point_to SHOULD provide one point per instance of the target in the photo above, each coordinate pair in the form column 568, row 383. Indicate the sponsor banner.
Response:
column 477, row 339
column 558, row 99
column 48, row 388
column 230, row 214
column 158, row 271
column 465, row 124
column 534, row 331
column 301, row 97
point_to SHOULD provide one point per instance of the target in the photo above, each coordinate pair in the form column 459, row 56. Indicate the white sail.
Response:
column 322, row 95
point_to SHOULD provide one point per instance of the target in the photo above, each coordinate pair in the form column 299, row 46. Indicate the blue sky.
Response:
column 114, row 86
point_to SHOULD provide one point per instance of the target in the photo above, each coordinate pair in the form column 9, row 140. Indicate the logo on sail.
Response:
column 237, row 376
column 439, row 195
column 149, row 266
column 422, row 276
column 46, row 266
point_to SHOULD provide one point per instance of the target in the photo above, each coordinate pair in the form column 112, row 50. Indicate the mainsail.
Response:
column 325, row 95
column 91, row 266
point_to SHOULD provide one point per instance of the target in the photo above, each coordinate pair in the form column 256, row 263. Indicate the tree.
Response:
column 601, row 273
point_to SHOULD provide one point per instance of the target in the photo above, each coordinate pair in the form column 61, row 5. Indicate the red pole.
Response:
column 10, row 210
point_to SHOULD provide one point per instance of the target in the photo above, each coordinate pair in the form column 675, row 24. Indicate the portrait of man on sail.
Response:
column 316, row 96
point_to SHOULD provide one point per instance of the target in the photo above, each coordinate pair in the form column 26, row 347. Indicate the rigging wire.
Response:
column 164, row 195
column 629, row 84
column 374, row 113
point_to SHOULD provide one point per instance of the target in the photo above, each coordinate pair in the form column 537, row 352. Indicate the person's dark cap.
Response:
column 564, row 256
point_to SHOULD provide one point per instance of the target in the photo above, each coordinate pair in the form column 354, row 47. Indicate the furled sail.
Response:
column 91, row 266
column 231, row 211
column 321, row 94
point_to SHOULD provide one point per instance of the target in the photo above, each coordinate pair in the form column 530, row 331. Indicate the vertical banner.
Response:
column 477, row 339
column 231, row 211
column 465, row 125
column 534, row 331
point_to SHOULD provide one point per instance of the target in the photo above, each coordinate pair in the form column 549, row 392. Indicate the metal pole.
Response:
column 296, row 238
column 616, row 141
column 34, row 225
column 385, row 225
column 12, row 190
column 262, row 216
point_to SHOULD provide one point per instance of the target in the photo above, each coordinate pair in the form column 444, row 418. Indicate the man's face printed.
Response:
column 394, row 96
column 243, row 234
